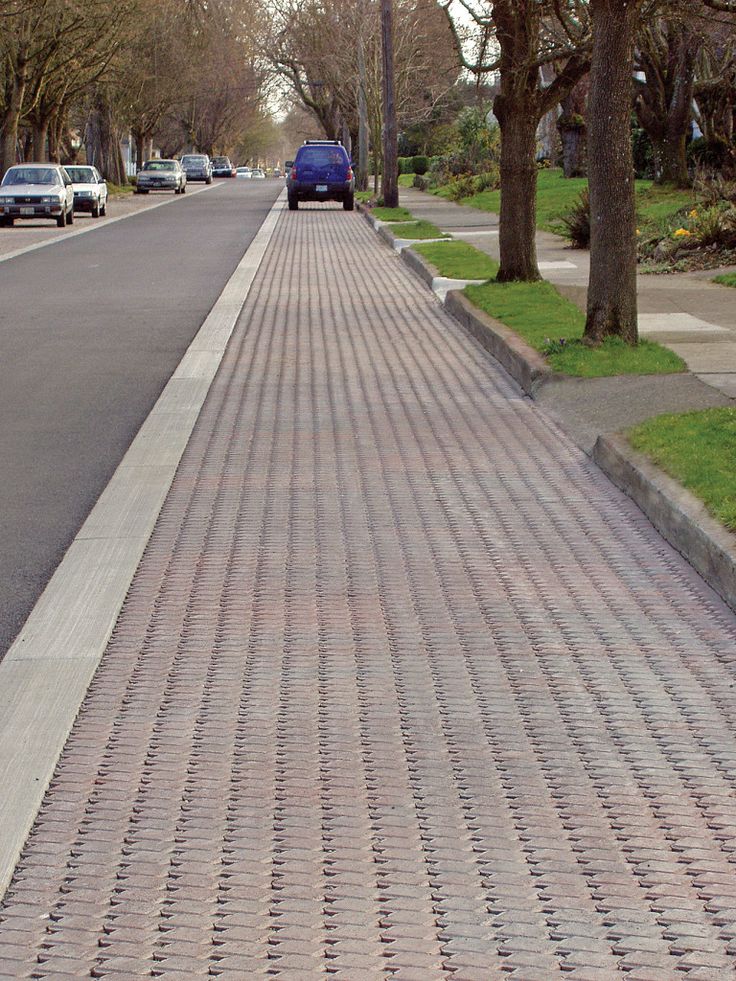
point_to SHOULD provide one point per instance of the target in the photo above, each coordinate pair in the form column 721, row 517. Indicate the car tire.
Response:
column 184, row 189
column 293, row 202
column 209, row 181
column 349, row 203
column 177, row 190
column 96, row 209
column 61, row 220
column 70, row 217
column 103, row 209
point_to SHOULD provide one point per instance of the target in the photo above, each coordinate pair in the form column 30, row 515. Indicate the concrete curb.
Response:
column 677, row 514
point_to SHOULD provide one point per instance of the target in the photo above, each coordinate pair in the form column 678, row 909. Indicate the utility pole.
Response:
column 390, row 128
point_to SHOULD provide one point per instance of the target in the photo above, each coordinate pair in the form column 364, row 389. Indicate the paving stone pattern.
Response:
column 403, row 688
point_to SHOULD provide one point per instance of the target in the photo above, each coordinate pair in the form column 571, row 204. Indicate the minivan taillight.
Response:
column 293, row 173
column 350, row 174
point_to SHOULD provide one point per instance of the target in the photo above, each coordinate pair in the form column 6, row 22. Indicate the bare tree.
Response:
column 515, row 38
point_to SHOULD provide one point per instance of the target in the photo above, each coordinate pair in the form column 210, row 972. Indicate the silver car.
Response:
column 161, row 175
column 90, row 190
column 37, row 191
column 197, row 167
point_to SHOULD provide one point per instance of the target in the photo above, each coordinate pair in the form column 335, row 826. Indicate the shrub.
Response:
column 420, row 165
column 715, row 226
column 406, row 165
column 576, row 223
column 713, row 155
column 421, row 182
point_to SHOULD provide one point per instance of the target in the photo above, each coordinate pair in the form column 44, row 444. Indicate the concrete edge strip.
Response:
column 678, row 515
column 47, row 671
column 93, row 228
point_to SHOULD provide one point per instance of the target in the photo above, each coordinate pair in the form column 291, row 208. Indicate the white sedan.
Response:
column 243, row 172
column 257, row 174
column 90, row 190
column 37, row 191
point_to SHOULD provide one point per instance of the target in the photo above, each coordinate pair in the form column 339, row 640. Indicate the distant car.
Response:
column 197, row 167
column 276, row 172
column 221, row 167
column 321, row 171
column 257, row 174
column 41, row 190
column 161, row 175
column 243, row 172
column 90, row 190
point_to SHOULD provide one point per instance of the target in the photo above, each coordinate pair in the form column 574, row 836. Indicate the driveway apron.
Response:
column 403, row 687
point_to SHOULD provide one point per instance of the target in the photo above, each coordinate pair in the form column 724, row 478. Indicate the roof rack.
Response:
column 323, row 142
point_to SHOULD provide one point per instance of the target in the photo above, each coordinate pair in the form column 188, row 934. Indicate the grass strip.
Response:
column 406, row 180
column 698, row 449
column 554, row 326
column 363, row 196
column 420, row 230
column 556, row 195
column 458, row 260
column 392, row 214
column 727, row 279
column 119, row 190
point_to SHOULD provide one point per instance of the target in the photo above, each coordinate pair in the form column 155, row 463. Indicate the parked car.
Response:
column 257, row 174
column 197, row 167
column 321, row 171
column 161, row 175
column 42, row 190
column 243, row 172
column 276, row 172
column 90, row 190
column 221, row 167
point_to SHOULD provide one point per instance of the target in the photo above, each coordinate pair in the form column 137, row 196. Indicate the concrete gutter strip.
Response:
column 677, row 514
column 45, row 675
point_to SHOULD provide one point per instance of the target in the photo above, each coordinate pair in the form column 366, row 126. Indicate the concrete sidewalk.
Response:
column 403, row 688
column 686, row 311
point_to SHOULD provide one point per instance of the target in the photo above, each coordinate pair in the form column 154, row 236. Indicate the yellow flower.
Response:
column 681, row 233
column 693, row 213
column 638, row 231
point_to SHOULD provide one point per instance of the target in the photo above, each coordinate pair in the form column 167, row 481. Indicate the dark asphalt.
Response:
column 91, row 329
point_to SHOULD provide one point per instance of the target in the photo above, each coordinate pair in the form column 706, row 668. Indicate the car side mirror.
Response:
column 289, row 163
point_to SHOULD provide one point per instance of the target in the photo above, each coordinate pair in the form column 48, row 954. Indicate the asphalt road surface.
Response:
column 91, row 329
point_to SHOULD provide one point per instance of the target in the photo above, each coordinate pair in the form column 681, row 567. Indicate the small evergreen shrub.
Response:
column 420, row 165
column 576, row 223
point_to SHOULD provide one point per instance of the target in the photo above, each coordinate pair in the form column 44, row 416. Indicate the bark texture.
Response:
column 390, row 126
column 612, row 307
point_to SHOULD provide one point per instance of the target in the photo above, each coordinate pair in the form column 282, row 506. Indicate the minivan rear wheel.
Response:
column 293, row 202
column 349, row 202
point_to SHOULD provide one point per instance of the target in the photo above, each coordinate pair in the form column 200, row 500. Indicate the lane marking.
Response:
column 104, row 224
column 45, row 674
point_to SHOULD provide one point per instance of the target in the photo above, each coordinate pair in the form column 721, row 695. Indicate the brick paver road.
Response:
column 402, row 689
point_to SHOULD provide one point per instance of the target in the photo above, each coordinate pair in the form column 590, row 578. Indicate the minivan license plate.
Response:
column 321, row 189
column 26, row 211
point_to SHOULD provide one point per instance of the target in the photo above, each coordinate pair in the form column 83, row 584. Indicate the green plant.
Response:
column 420, row 182
column 699, row 450
column 458, row 260
column 418, row 230
column 576, row 223
column 727, row 279
column 392, row 214
column 554, row 326
column 420, row 165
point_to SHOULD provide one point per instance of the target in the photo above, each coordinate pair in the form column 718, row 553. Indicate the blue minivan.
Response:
column 321, row 171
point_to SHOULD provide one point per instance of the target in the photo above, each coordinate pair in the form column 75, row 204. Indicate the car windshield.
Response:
column 31, row 175
column 221, row 161
column 160, row 165
column 81, row 175
column 322, row 156
column 194, row 160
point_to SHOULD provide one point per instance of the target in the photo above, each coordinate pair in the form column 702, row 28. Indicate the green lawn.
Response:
column 406, row 180
column 458, row 260
column 699, row 450
column 727, row 279
column 556, row 195
column 392, row 214
column 539, row 314
column 117, row 190
column 418, row 230
column 363, row 196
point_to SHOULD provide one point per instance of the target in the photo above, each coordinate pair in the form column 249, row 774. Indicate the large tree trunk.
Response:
column 670, row 160
column 390, row 126
column 103, row 143
column 572, row 129
column 612, row 284
column 518, row 226
column 40, row 135
column 362, row 177
column 12, row 121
